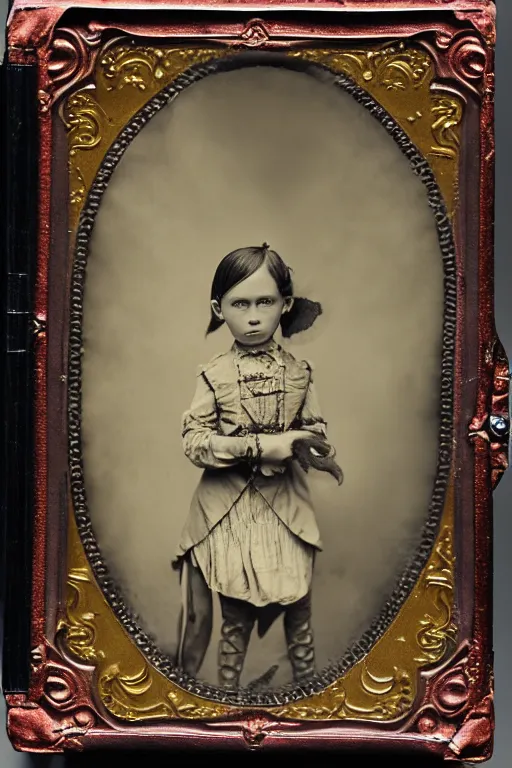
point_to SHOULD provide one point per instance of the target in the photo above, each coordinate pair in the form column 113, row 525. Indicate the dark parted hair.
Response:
column 244, row 262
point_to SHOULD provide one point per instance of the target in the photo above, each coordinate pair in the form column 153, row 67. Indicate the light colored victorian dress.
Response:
column 252, row 536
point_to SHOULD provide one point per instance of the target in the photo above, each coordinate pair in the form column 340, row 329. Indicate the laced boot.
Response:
column 299, row 639
column 237, row 626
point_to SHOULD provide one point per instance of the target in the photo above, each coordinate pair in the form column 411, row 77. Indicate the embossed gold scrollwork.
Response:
column 395, row 67
column 447, row 114
column 83, row 117
column 144, row 67
column 392, row 697
column 124, row 697
column 438, row 632
column 121, row 693
column 126, row 66
column 79, row 624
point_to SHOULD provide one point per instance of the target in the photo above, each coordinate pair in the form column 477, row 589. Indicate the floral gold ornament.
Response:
column 126, row 76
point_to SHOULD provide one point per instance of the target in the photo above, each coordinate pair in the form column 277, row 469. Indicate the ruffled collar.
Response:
column 270, row 347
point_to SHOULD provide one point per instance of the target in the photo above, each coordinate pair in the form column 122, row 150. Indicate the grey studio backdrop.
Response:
column 503, row 526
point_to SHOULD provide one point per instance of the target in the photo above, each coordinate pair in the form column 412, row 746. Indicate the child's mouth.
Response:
column 253, row 333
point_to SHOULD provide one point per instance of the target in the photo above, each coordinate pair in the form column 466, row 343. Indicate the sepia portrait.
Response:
column 262, row 341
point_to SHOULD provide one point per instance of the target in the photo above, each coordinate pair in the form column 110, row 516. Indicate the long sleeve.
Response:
column 311, row 417
column 201, row 442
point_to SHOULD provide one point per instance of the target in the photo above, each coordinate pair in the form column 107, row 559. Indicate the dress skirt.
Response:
column 252, row 555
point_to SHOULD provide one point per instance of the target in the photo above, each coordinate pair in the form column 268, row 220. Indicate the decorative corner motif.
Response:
column 448, row 713
column 127, row 697
column 57, row 713
column 447, row 700
column 68, row 60
column 461, row 57
column 254, row 34
column 72, row 58
column 474, row 739
column 125, row 77
column 492, row 424
column 126, row 66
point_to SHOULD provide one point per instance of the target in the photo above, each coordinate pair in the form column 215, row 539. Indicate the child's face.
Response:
column 253, row 308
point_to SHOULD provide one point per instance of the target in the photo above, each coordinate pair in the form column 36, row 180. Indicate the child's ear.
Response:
column 216, row 309
column 288, row 304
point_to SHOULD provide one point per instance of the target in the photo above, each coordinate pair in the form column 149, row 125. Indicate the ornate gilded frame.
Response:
column 80, row 673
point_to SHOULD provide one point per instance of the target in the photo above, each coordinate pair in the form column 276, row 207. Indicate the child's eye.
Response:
column 266, row 302
column 239, row 304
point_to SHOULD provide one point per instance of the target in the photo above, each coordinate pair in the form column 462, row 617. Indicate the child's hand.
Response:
column 278, row 448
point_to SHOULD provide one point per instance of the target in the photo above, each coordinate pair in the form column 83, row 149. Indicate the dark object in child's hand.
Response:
column 316, row 452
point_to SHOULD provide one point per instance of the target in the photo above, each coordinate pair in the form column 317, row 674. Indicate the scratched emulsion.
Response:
column 264, row 155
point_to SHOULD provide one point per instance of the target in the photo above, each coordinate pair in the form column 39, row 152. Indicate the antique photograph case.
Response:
column 257, row 405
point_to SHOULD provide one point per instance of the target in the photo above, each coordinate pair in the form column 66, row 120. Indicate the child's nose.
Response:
column 254, row 321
